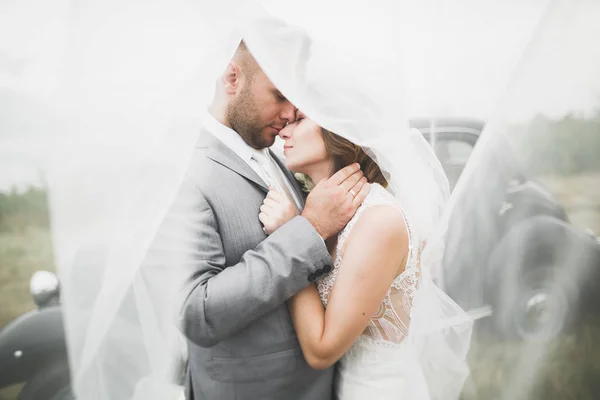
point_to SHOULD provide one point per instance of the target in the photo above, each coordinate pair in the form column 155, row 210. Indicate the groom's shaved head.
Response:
column 246, row 61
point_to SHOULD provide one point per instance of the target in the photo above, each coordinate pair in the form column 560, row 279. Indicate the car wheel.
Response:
column 534, row 277
column 537, row 278
column 535, row 291
column 542, row 307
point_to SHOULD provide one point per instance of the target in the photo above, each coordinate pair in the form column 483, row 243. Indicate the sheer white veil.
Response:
column 128, row 154
column 137, row 78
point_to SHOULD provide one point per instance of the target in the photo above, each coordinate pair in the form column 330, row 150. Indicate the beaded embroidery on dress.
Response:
column 381, row 364
column 392, row 318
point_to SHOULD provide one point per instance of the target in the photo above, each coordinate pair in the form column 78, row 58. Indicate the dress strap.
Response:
column 343, row 235
column 378, row 196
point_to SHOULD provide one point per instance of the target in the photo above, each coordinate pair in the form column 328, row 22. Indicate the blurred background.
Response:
column 507, row 93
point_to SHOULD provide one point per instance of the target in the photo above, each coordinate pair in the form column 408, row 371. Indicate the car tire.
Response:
column 540, row 306
column 535, row 282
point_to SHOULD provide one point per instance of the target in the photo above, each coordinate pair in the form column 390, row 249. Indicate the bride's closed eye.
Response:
column 296, row 121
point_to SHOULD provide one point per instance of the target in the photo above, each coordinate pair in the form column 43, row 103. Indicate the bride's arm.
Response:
column 374, row 251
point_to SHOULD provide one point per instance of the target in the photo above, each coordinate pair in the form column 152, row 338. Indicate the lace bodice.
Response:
column 391, row 321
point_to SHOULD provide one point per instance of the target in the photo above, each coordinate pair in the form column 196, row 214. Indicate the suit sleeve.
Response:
column 221, row 299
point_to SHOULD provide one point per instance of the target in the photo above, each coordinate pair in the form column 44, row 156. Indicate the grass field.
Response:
column 580, row 195
column 21, row 254
column 563, row 369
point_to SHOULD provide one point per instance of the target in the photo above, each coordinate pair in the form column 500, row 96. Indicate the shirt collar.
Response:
column 228, row 137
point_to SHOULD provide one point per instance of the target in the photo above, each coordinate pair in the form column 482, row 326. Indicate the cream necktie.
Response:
column 273, row 175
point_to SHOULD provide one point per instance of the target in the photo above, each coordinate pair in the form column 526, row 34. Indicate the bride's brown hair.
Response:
column 344, row 153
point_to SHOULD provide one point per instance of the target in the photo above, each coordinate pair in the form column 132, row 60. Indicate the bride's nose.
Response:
column 286, row 132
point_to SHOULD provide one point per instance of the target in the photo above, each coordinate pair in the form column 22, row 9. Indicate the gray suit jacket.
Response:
column 241, row 340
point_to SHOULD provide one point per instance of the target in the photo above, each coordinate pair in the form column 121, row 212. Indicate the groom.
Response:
column 241, row 340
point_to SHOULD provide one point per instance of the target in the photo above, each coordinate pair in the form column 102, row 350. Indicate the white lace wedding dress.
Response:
column 381, row 364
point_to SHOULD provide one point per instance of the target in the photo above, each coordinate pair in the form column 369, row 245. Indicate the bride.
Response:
column 360, row 313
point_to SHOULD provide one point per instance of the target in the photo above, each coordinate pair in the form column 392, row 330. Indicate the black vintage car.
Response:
column 510, row 246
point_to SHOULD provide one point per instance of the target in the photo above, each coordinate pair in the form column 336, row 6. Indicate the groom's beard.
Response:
column 242, row 114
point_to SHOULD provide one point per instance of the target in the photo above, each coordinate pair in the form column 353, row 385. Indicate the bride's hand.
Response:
column 275, row 211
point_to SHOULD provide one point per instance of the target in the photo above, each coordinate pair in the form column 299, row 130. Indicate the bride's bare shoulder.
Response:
column 379, row 226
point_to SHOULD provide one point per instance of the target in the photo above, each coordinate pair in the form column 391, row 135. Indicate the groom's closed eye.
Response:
column 280, row 97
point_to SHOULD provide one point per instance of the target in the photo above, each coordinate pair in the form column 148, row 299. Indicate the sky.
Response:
column 476, row 58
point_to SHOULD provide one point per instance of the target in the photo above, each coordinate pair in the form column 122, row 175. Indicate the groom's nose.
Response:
column 288, row 114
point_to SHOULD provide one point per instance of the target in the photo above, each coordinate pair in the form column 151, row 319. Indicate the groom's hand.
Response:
column 333, row 202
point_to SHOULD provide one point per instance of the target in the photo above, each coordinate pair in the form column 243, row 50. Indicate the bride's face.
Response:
column 304, row 146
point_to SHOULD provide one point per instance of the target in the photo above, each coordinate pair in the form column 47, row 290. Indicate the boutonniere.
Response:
column 305, row 182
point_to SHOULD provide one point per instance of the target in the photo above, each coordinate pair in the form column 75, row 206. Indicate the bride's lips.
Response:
column 286, row 148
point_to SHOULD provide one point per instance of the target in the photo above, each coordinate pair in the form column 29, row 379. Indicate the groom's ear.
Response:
column 232, row 78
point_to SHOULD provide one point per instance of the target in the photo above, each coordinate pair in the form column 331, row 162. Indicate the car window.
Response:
column 453, row 151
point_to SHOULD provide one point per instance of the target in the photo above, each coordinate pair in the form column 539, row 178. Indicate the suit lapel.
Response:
column 223, row 155
column 294, row 183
